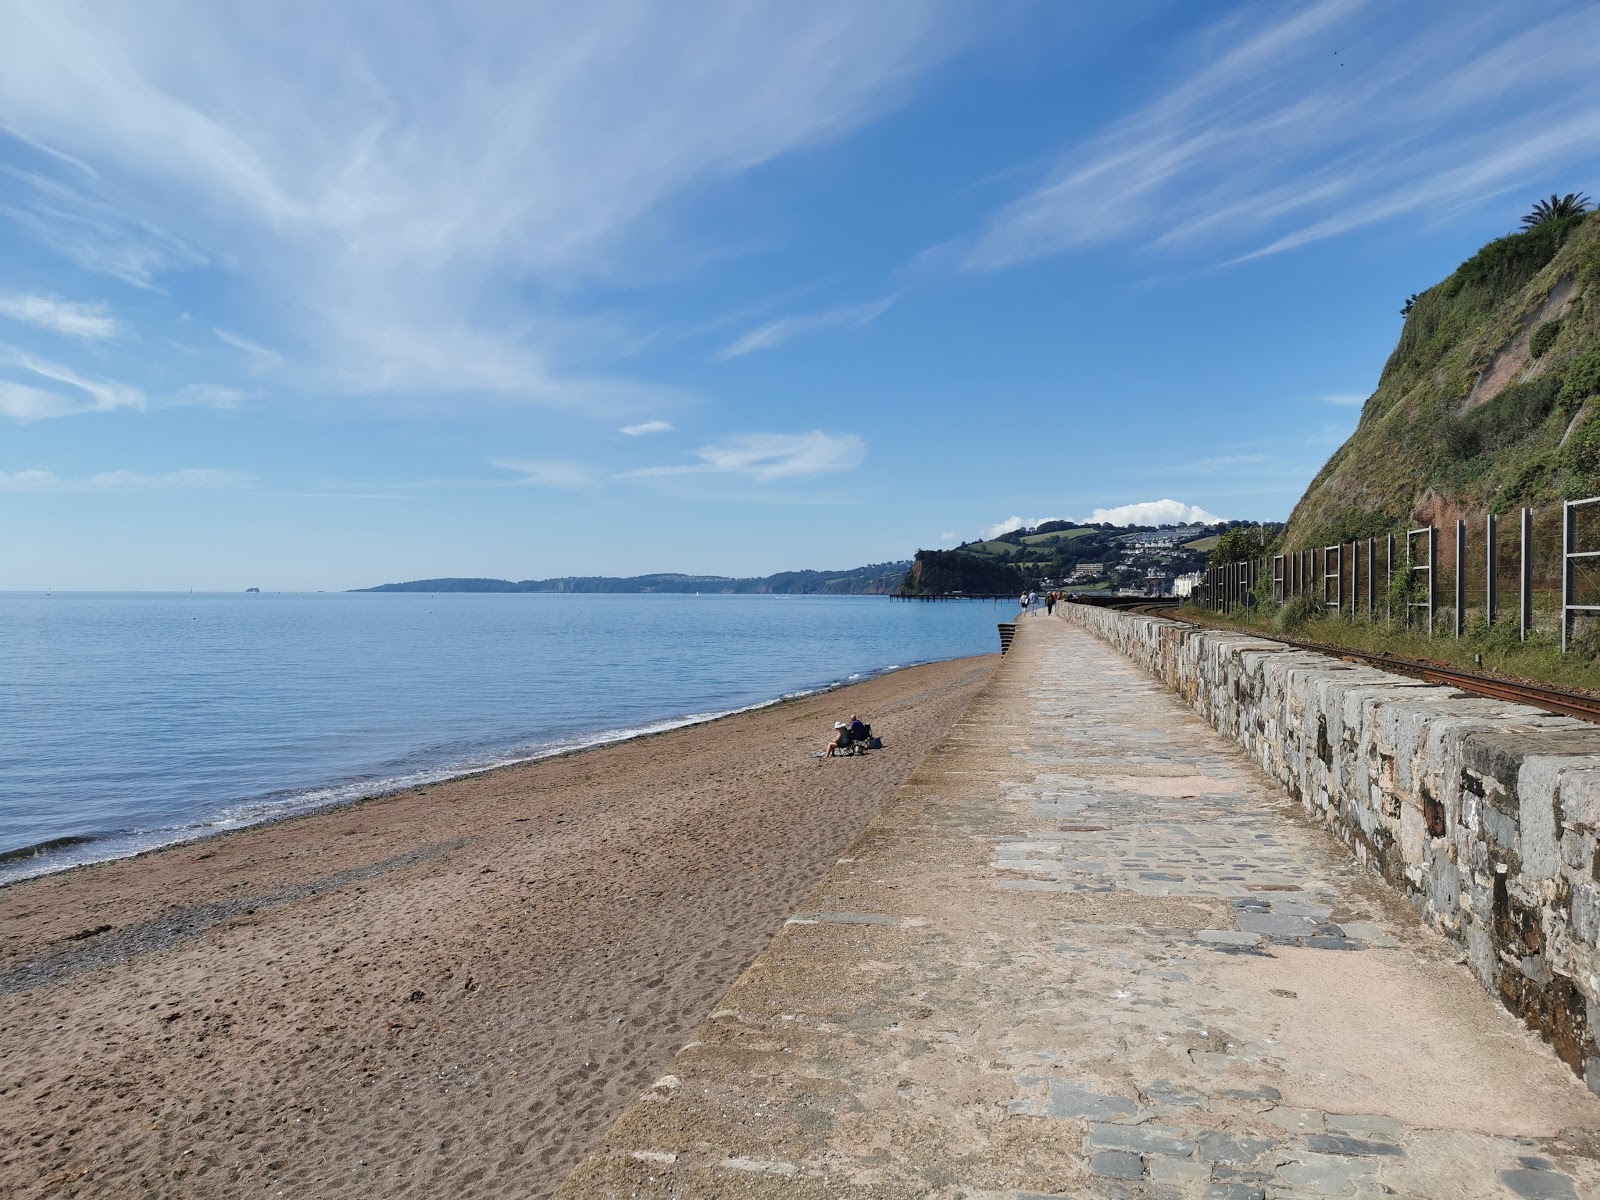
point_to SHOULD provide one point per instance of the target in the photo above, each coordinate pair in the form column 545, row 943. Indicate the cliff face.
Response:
column 942, row 572
column 1490, row 400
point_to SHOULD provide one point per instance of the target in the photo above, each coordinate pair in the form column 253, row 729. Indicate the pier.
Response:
column 1091, row 950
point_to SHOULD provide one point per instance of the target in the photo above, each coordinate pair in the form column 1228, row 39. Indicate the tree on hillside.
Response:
column 1556, row 208
column 1239, row 544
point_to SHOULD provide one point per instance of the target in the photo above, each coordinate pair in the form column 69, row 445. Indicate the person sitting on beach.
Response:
column 858, row 731
column 841, row 738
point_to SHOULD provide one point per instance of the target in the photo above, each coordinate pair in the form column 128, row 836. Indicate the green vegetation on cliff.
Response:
column 944, row 572
column 1490, row 400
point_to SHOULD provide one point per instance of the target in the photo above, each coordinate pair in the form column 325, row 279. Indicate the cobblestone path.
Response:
column 1091, row 952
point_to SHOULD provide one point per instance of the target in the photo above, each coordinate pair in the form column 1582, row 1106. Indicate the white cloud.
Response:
column 27, row 401
column 261, row 357
column 411, row 189
column 90, row 321
column 1012, row 524
column 209, row 395
column 949, row 535
column 35, row 480
column 775, row 333
column 1301, row 123
column 1152, row 512
column 1344, row 399
column 646, row 428
column 546, row 473
column 770, row 457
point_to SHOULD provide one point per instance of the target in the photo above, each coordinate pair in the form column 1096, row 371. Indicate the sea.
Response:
column 133, row 721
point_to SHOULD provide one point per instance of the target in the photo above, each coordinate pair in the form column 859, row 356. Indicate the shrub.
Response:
column 1298, row 612
column 1517, row 411
column 1582, row 451
column 1506, row 264
column 1544, row 337
column 1582, row 379
column 1459, row 437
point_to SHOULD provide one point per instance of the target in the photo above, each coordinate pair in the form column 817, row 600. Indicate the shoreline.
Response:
column 453, row 989
column 393, row 786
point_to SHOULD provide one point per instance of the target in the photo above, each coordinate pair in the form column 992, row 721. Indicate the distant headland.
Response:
column 879, row 579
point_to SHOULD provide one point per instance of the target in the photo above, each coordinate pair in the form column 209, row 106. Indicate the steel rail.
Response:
column 1554, row 700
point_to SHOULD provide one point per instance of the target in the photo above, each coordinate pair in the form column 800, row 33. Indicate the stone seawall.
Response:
column 1482, row 813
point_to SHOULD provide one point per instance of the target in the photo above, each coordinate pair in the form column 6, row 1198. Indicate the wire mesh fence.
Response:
column 1531, row 573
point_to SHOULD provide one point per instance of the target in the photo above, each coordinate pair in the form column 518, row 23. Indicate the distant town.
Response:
column 1166, row 560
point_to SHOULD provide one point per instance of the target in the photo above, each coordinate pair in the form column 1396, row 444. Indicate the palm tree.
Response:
column 1555, row 208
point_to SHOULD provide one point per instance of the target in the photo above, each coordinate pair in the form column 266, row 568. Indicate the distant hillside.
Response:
column 880, row 579
column 1054, row 552
column 1490, row 400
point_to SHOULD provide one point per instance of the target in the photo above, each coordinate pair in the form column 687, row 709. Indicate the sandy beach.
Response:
column 448, row 991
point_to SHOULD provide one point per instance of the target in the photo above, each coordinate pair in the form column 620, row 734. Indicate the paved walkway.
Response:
column 1090, row 951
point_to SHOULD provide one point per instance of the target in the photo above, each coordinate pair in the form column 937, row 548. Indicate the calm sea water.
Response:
column 133, row 721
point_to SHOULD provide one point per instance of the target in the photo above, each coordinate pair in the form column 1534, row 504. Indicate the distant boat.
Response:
column 248, row 591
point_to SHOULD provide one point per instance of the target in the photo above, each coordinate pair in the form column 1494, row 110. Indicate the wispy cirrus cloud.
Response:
column 36, row 480
column 92, row 322
column 769, row 457
column 1299, row 124
column 776, row 333
column 646, row 428
column 48, row 389
column 1343, row 399
column 259, row 357
column 407, row 226
column 548, row 473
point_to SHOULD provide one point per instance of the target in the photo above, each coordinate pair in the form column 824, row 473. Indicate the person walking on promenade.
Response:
column 1024, row 603
column 1033, row 600
column 1050, row 604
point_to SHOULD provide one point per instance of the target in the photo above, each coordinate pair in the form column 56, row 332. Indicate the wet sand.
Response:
column 448, row 991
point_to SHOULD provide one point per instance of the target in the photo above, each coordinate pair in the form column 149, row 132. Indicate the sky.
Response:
column 309, row 296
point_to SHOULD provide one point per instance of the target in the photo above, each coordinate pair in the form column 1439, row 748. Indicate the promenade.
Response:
column 1090, row 951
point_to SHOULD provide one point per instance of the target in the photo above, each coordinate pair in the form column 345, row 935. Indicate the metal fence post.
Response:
column 1567, row 538
column 1430, row 568
column 1461, row 577
column 1491, row 565
column 1333, row 572
column 1355, row 577
column 1569, row 556
column 1433, row 574
column 1525, row 583
column 1388, row 586
column 1372, row 577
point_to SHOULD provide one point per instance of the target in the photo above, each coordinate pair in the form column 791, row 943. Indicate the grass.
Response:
column 1203, row 545
column 993, row 549
column 1035, row 539
column 1538, row 660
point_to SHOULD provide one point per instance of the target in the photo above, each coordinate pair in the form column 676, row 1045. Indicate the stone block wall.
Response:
column 1484, row 814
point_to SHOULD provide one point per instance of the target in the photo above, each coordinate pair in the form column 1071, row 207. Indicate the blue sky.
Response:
column 319, row 296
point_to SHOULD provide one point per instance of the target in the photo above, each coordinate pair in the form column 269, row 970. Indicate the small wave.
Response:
column 48, row 846
column 65, row 853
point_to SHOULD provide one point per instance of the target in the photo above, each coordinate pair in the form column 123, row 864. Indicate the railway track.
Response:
column 1553, row 700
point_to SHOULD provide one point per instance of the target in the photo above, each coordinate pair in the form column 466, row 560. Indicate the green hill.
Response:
column 1490, row 400
column 1050, row 555
column 880, row 579
column 946, row 572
